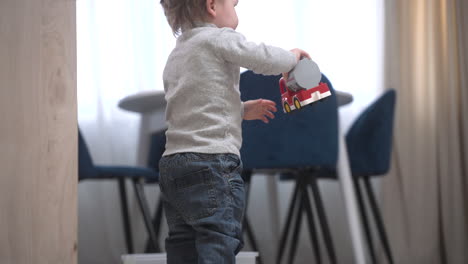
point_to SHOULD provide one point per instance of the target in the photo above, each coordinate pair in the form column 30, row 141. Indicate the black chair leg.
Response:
column 323, row 219
column 297, row 227
column 312, row 230
column 158, row 217
column 156, row 225
column 284, row 235
column 146, row 213
column 365, row 220
column 378, row 219
column 252, row 240
column 247, row 228
column 126, row 218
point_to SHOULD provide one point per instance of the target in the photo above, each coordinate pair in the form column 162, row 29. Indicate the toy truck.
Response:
column 296, row 100
column 303, row 86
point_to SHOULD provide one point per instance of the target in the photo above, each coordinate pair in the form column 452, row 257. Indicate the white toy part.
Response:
column 306, row 74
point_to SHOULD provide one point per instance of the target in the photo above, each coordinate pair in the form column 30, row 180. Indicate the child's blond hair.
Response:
column 184, row 14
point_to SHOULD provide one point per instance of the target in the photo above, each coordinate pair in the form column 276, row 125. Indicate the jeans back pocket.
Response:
column 194, row 194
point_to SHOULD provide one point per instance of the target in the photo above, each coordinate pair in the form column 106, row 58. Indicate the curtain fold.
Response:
column 424, row 198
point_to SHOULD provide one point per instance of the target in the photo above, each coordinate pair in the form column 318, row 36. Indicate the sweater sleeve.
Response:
column 260, row 58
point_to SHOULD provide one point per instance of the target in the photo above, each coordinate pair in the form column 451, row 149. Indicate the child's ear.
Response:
column 211, row 7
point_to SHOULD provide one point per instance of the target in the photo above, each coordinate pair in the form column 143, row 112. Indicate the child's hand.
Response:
column 259, row 109
column 299, row 55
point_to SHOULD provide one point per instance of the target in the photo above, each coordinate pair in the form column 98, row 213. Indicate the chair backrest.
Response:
column 86, row 167
column 369, row 140
column 157, row 148
column 306, row 137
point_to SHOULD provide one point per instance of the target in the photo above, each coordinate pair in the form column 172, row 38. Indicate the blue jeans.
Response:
column 204, row 200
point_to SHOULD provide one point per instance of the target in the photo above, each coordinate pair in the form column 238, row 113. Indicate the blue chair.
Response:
column 369, row 143
column 302, row 143
column 87, row 170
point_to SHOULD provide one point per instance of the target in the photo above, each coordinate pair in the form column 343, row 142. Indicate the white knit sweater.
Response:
column 201, row 82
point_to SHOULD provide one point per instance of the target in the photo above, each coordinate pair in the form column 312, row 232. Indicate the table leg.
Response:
column 344, row 174
column 272, row 189
column 143, row 141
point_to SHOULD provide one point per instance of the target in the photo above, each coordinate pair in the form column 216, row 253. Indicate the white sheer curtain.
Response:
column 343, row 37
column 122, row 48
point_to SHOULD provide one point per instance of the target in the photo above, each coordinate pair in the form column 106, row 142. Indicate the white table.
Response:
column 151, row 105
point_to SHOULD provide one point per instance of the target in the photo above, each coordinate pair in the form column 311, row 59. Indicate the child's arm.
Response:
column 259, row 109
column 260, row 58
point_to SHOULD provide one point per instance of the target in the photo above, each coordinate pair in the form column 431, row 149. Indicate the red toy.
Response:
column 303, row 86
column 296, row 100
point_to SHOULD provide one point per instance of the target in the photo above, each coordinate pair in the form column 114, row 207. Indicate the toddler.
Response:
column 203, row 192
